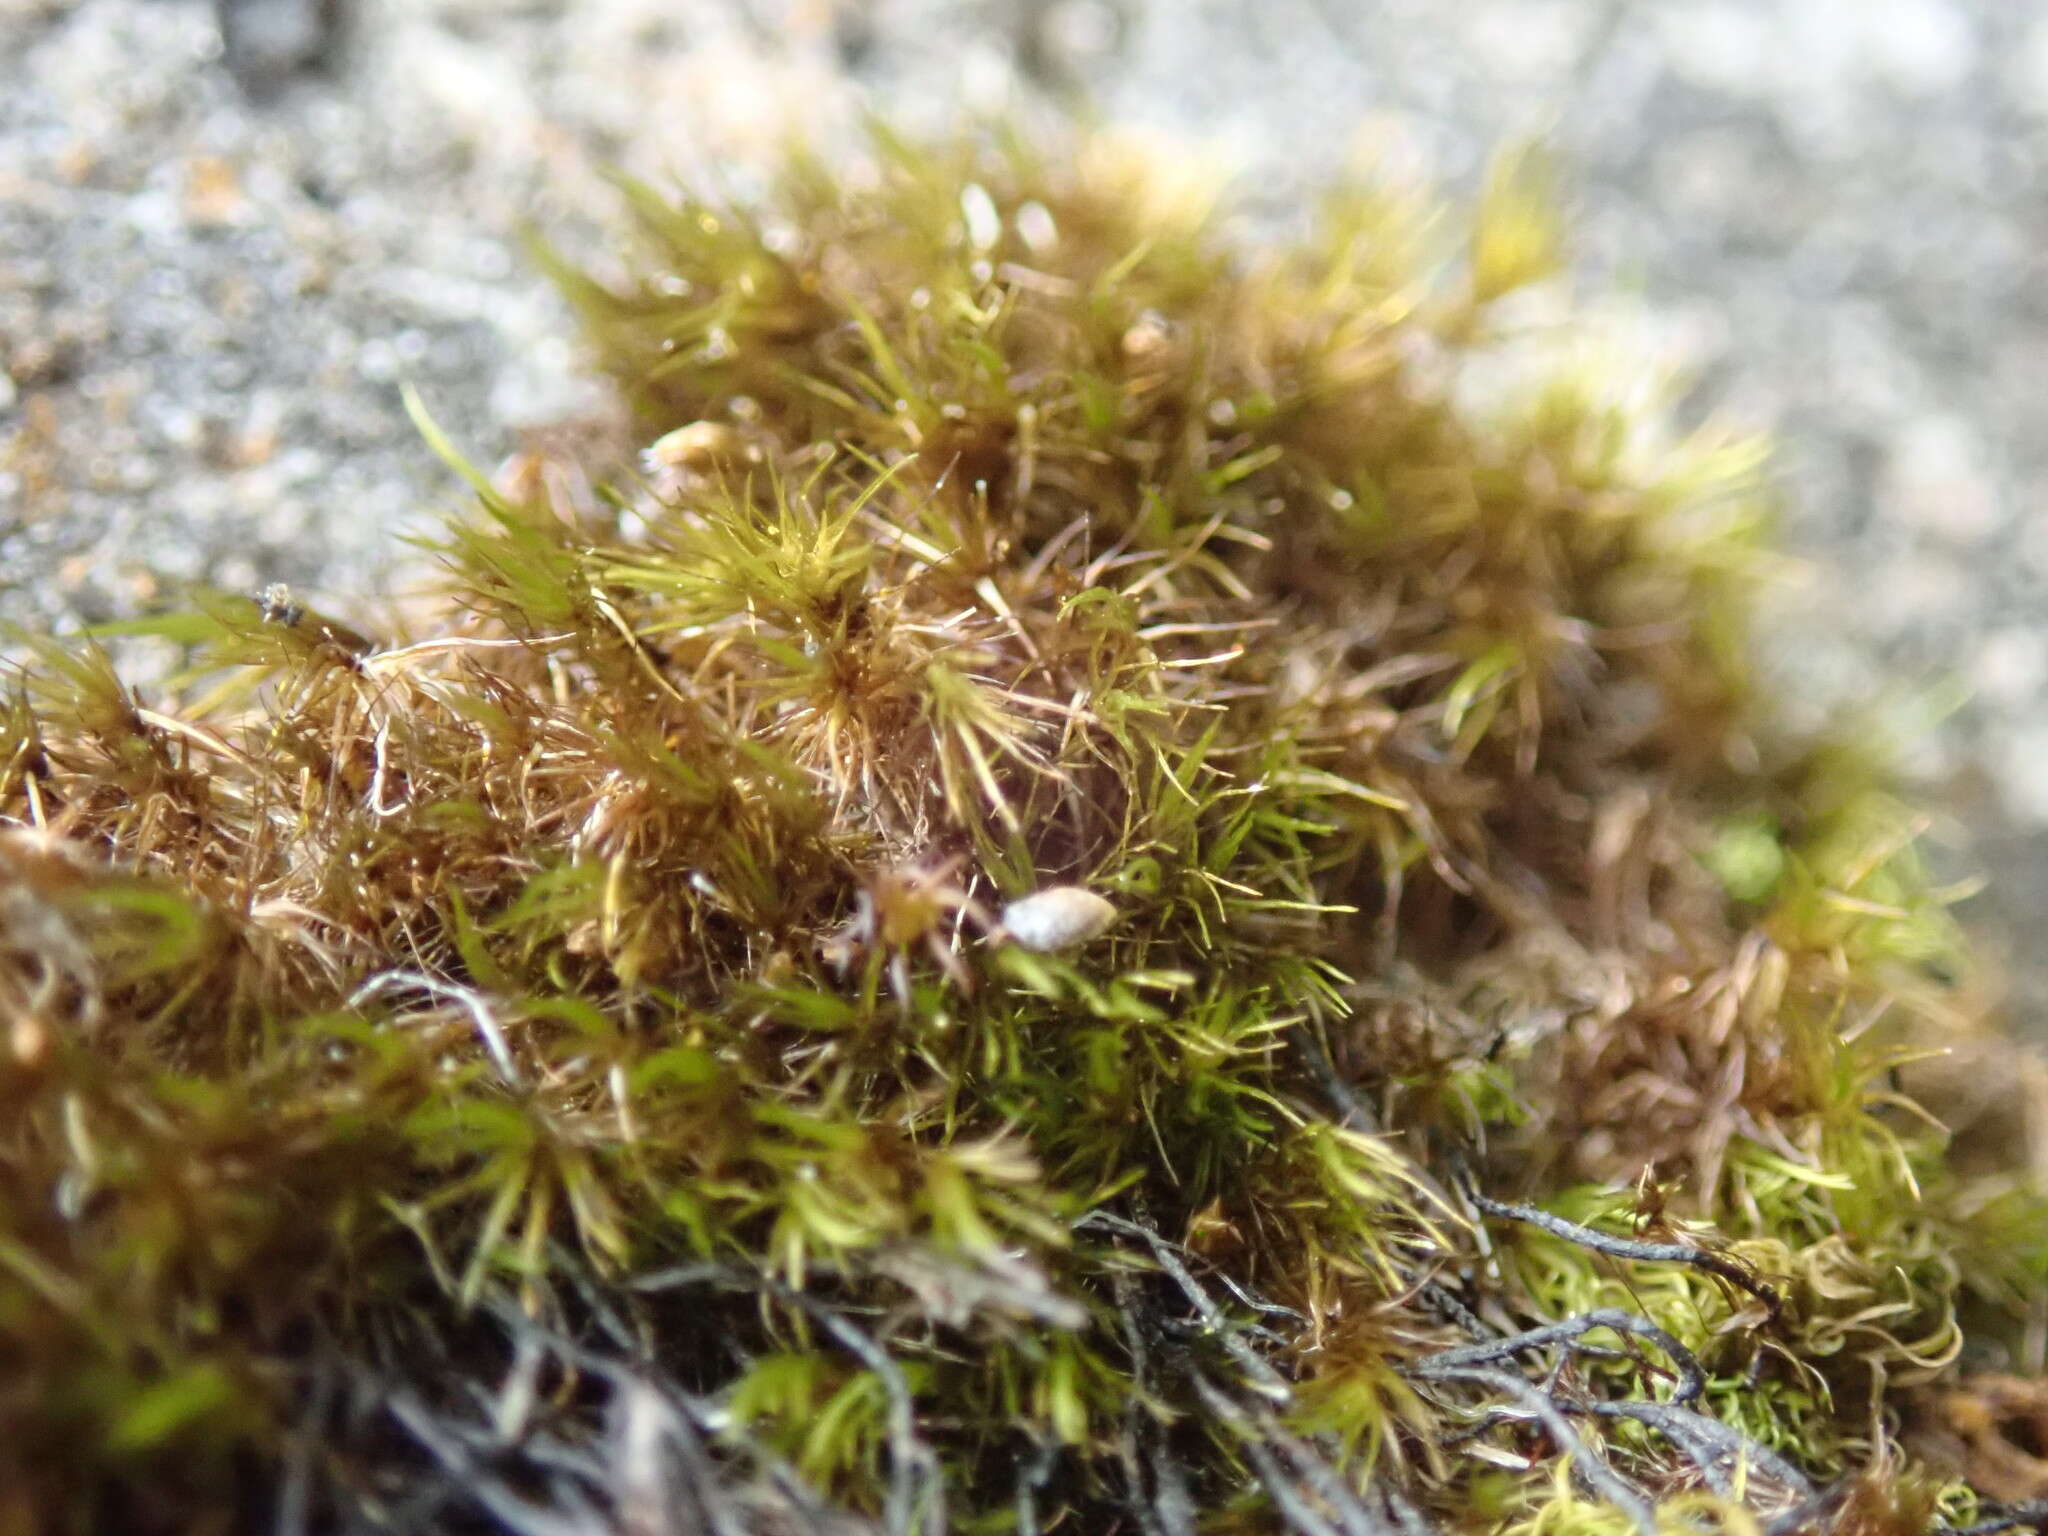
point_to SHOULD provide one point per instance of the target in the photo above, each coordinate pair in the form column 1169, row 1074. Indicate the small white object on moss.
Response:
column 1058, row 917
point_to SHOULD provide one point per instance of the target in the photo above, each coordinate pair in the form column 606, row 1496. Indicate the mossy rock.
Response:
column 1095, row 900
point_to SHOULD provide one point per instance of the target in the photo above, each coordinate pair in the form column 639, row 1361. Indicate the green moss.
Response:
column 580, row 1058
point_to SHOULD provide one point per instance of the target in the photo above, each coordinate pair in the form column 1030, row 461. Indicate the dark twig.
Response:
column 692, row 1422
column 497, row 1500
column 1259, row 1304
column 513, row 1404
column 1260, row 1428
column 1692, row 1380
column 644, row 1420
column 1262, row 1375
column 1279, row 1485
column 1628, row 1248
column 911, row 1459
column 1294, row 1509
column 295, row 1493
column 1448, row 1305
column 545, row 1449
column 1171, row 1494
column 597, row 1299
column 1714, row 1447
column 683, row 1276
column 913, row 1466
column 1813, row 1511
column 1160, row 1512
column 1406, row 1517
column 1354, row 1114
column 1594, row 1471
column 1034, row 1475
column 1262, row 1433
column 1352, row 1516
column 1353, row 1111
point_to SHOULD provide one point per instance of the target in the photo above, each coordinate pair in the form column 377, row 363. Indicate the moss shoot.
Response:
column 1130, row 883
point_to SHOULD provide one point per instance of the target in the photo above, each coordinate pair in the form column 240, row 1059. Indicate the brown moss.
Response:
column 615, row 983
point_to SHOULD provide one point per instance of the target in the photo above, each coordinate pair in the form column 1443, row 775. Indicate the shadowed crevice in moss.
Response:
column 586, row 1068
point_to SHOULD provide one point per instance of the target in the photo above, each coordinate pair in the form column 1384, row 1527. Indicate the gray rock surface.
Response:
column 229, row 230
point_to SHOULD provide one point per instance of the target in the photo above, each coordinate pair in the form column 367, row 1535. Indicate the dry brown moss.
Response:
column 569, row 1068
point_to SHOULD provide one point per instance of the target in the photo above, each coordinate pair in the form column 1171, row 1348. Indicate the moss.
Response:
column 579, row 1060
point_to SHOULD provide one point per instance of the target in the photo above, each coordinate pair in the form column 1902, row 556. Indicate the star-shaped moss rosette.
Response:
column 1091, row 901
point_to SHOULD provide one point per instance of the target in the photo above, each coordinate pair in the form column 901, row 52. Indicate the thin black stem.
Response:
column 1692, row 1379
column 1588, row 1466
column 1628, row 1248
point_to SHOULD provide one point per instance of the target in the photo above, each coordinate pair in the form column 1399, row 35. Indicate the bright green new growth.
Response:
column 572, row 1068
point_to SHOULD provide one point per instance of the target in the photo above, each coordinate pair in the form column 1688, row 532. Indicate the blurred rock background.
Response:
column 229, row 228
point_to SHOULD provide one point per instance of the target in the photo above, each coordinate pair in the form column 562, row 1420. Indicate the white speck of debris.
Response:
column 1058, row 917
column 984, row 223
column 1035, row 227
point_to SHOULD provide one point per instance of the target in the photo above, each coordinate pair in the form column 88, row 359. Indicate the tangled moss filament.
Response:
column 972, row 944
